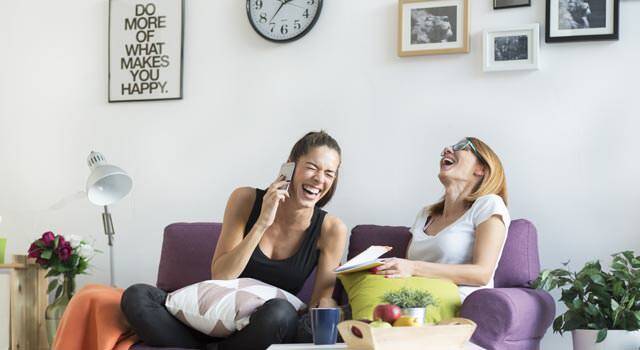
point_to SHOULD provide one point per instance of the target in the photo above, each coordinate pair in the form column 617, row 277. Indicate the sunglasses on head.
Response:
column 466, row 144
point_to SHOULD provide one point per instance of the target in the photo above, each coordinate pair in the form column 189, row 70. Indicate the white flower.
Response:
column 85, row 251
column 74, row 240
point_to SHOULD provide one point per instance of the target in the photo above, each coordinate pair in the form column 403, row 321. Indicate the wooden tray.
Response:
column 449, row 335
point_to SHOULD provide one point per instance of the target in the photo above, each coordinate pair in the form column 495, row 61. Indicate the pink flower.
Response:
column 61, row 241
column 48, row 238
column 34, row 251
column 42, row 262
column 64, row 251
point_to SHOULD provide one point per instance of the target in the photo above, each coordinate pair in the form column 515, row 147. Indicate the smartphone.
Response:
column 286, row 170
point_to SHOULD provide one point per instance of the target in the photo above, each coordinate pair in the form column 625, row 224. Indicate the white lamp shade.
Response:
column 108, row 184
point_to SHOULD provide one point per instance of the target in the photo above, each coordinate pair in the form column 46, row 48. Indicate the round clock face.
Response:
column 283, row 20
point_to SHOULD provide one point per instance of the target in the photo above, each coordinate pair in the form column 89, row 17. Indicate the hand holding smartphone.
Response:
column 286, row 170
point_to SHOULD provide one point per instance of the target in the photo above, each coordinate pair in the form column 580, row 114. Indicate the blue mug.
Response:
column 324, row 322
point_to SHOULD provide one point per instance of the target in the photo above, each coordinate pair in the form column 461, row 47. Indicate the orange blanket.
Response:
column 93, row 321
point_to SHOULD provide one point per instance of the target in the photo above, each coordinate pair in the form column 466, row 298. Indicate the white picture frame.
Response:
column 145, row 50
column 511, row 48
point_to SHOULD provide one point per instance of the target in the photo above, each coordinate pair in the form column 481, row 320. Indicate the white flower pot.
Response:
column 585, row 339
column 418, row 313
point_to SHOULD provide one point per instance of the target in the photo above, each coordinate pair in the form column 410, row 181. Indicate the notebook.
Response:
column 364, row 261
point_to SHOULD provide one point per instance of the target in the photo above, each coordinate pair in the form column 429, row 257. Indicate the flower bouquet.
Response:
column 64, row 258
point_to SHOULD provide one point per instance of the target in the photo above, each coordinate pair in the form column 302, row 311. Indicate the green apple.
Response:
column 380, row 324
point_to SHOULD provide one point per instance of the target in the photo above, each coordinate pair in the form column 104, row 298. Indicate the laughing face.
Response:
column 461, row 165
column 314, row 175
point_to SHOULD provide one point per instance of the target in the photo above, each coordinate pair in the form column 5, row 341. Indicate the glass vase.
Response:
column 53, row 312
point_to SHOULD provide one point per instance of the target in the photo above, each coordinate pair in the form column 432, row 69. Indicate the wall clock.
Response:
column 283, row 20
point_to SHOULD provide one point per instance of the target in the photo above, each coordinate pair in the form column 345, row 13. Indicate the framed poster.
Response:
column 428, row 27
column 581, row 20
column 511, row 48
column 145, row 50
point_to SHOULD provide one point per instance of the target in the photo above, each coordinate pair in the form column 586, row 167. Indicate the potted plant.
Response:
column 412, row 302
column 64, row 258
column 603, row 307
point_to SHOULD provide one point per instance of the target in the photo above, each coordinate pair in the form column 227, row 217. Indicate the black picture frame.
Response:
column 496, row 7
column 179, row 96
column 589, row 37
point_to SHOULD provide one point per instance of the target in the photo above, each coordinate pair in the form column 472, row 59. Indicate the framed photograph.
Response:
column 581, row 20
column 512, row 48
column 427, row 27
column 505, row 4
column 145, row 50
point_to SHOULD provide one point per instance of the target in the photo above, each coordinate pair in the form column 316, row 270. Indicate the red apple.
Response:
column 387, row 313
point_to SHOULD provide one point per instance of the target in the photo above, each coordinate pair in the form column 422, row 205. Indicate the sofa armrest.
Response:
column 508, row 314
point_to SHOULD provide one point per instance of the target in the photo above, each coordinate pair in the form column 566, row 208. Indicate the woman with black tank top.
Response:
column 276, row 236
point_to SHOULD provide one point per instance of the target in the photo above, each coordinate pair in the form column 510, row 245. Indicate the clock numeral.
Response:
column 311, row 2
column 296, row 24
column 306, row 13
column 284, row 29
column 272, row 26
column 258, row 4
column 263, row 17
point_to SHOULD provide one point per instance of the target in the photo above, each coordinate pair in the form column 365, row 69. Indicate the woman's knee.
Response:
column 279, row 316
column 139, row 297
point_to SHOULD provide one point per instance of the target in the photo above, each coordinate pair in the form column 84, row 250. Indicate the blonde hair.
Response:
column 493, row 182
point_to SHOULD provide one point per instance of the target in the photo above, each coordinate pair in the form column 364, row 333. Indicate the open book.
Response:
column 365, row 260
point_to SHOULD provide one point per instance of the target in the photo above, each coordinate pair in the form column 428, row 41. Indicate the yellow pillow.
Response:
column 365, row 291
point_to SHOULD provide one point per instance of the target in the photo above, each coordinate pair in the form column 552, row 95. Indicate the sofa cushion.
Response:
column 364, row 236
column 365, row 291
column 187, row 250
column 520, row 262
column 220, row 307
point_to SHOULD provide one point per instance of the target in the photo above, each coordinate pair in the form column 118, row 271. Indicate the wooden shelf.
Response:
column 13, row 266
column 28, row 298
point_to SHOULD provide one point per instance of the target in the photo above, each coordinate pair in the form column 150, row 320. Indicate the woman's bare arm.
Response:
column 490, row 236
column 233, row 251
column 331, row 244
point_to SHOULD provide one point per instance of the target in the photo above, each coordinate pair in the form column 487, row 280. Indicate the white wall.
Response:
column 567, row 134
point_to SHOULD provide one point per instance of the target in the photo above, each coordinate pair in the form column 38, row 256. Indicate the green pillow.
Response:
column 365, row 291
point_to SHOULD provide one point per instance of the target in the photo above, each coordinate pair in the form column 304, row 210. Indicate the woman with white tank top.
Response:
column 461, row 237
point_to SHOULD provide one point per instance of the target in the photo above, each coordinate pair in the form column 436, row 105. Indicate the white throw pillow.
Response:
column 220, row 307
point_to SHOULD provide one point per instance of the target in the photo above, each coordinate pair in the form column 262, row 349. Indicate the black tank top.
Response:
column 290, row 273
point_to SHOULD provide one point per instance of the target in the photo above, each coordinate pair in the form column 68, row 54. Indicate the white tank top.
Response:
column 454, row 244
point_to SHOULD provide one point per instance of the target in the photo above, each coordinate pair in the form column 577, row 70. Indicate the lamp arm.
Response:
column 107, row 223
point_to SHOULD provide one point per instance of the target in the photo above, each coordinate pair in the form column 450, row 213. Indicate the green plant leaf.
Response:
column 52, row 285
column 597, row 278
column 74, row 260
column 591, row 310
column 46, row 254
column 614, row 305
column 52, row 273
column 573, row 320
column 56, row 241
column 557, row 324
column 602, row 334
column 408, row 298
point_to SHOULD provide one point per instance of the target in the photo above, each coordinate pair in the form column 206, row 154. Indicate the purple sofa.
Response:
column 510, row 316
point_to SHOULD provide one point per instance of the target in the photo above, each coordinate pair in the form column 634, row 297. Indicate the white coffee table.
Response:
column 339, row 346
